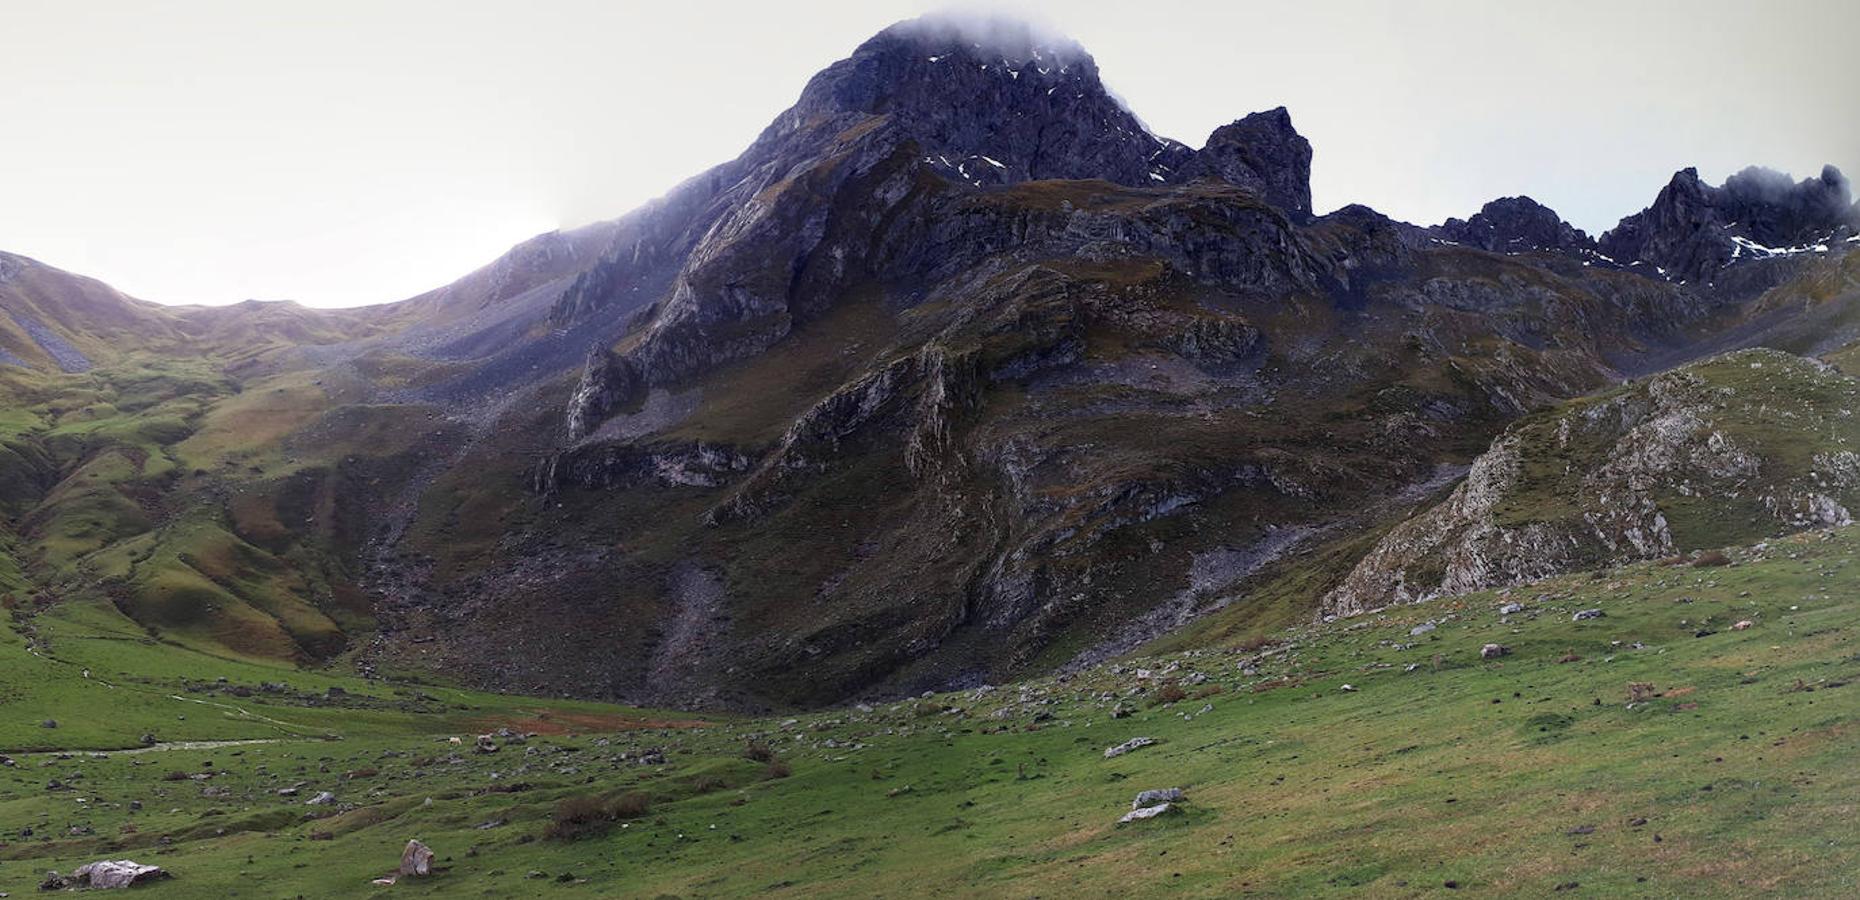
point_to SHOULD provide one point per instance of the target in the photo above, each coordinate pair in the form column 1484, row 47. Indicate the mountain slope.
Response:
column 1659, row 751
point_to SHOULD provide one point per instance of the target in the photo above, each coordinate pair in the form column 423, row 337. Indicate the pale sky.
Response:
column 339, row 153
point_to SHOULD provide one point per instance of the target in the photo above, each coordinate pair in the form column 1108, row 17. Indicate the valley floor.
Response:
column 1658, row 750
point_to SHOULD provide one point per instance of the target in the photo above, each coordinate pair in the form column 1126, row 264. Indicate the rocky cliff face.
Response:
column 1730, row 450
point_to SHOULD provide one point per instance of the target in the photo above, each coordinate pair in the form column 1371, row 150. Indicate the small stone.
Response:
column 1421, row 629
column 323, row 798
column 1588, row 614
column 1493, row 651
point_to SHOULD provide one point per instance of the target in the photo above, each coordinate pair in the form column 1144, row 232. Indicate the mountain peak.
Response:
column 1264, row 153
column 988, row 101
column 982, row 37
column 1512, row 224
column 1694, row 229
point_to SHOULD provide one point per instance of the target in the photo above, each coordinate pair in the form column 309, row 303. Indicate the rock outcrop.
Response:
column 1262, row 153
column 1732, row 449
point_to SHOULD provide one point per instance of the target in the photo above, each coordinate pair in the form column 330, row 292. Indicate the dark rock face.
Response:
column 1693, row 230
column 1262, row 153
column 1514, row 224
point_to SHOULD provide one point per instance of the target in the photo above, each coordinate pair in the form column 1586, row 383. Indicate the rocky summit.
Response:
column 895, row 502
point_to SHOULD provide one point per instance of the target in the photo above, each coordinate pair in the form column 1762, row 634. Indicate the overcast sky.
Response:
column 339, row 153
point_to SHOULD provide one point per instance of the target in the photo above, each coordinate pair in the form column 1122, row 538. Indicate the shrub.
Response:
column 756, row 751
column 632, row 805
column 777, row 769
column 1207, row 692
column 1711, row 558
column 1167, row 694
column 579, row 817
column 705, row 784
column 583, row 816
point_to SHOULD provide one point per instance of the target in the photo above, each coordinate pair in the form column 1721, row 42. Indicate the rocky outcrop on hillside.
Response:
column 1732, row 449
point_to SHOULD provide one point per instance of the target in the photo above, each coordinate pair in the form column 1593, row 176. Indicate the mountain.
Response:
column 1512, row 224
column 1693, row 230
column 955, row 375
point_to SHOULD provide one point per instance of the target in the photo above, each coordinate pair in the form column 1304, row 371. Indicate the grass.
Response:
column 1730, row 775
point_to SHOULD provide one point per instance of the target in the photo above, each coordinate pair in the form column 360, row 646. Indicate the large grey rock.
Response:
column 416, row 859
column 116, row 873
column 1147, row 812
column 1152, row 798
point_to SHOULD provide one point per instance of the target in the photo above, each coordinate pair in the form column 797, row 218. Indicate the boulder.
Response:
column 1493, row 651
column 417, row 859
column 1147, row 812
column 1152, row 798
column 323, row 798
column 116, row 873
column 1588, row 614
column 1127, row 746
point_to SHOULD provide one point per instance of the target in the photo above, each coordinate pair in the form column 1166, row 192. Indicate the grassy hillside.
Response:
column 1659, row 750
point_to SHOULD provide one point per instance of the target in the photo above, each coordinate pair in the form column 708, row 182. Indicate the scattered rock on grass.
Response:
column 1493, row 651
column 1127, row 746
column 1588, row 614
